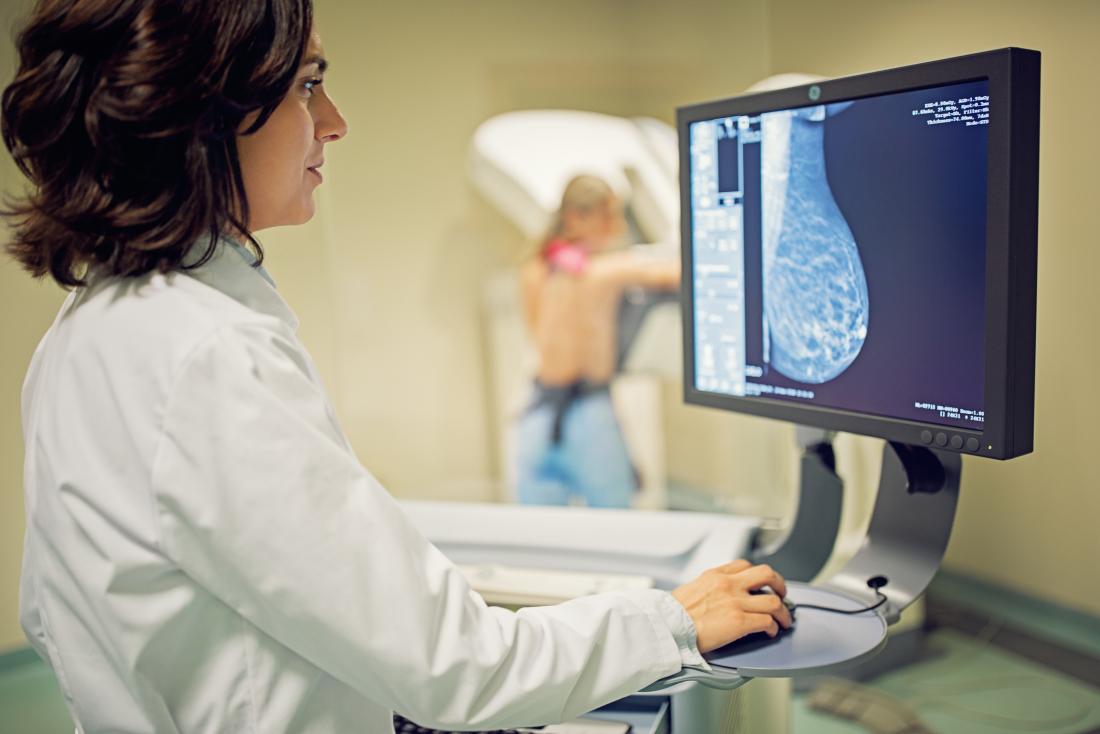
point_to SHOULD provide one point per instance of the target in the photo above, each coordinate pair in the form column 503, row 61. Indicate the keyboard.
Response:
column 401, row 725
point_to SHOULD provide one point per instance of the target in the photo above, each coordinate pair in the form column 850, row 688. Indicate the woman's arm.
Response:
column 629, row 268
column 261, row 501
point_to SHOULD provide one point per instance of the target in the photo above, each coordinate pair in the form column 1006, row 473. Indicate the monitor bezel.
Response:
column 1011, row 251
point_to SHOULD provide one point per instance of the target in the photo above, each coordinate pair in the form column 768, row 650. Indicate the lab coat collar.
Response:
column 233, row 270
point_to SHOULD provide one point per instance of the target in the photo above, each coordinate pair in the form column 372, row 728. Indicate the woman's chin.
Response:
column 287, row 219
column 303, row 214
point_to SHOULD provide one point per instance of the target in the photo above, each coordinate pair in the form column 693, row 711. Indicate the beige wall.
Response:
column 409, row 243
column 387, row 277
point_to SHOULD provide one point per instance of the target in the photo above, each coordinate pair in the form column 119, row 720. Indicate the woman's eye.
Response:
column 309, row 84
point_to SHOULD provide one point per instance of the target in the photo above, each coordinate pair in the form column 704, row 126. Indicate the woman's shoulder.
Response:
column 159, row 317
column 124, row 345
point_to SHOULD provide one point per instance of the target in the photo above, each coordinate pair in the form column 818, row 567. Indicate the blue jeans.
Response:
column 589, row 460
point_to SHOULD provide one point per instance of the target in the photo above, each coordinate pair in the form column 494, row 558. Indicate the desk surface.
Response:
column 670, row 547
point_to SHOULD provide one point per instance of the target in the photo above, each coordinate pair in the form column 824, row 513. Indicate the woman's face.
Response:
column 613, row 224
column 280, row 162
column 601, row 229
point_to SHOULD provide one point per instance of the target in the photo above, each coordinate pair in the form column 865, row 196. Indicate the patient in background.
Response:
column 569, row 441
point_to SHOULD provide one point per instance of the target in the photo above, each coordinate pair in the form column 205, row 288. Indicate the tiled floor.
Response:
column 30, row 702
column 966, row 686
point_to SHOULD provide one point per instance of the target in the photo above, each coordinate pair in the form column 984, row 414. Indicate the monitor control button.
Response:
column 956, row 442
column 926, row 436
column 941, row 439
column 971, row 444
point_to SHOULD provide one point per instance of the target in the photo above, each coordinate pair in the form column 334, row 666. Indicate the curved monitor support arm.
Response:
column 905, row 542
column 803, row 549
column 908, row 534
column 910, row 527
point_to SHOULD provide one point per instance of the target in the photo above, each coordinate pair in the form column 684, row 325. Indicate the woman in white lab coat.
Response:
column 204, row 553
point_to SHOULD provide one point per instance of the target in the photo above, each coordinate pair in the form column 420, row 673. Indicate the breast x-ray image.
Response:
column 815, row 291
column 838, row 252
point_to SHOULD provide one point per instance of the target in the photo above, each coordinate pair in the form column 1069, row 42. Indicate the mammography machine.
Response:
column 859, row 255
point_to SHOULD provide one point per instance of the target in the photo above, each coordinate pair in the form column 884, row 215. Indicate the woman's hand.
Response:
column 721, row 604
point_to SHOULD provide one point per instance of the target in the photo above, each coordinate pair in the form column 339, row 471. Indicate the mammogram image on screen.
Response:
column 815, row 292
column 838, row 253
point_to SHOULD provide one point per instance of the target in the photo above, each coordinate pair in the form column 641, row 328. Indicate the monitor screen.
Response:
column 839, row 254
column 845, row 254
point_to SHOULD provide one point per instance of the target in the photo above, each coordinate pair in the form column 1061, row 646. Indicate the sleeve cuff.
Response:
column 683, row 630
column 668, row 614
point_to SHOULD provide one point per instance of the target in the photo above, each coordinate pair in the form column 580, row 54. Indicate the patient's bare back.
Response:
column 572, row 316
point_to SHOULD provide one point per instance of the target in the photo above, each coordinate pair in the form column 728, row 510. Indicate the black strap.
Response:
column 562, row 398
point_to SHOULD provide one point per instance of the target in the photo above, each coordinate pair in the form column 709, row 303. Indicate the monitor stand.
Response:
column 906, row 539
column 805, row 546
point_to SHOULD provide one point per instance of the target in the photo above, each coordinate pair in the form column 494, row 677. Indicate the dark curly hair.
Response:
column 124, row 116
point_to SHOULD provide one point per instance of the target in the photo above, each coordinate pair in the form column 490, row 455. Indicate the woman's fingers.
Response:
column 723, row 609
column 769, row 604
column 758, row 577
column 761, row 623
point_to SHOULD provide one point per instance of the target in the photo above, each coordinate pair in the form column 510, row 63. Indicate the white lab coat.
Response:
column 204, row 553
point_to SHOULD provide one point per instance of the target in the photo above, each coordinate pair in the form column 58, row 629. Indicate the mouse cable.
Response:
column 875, row 582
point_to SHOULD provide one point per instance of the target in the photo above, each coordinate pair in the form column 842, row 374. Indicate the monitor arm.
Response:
column 804, row 547
column 910, row 527
column 905, row 542
column 908, row 534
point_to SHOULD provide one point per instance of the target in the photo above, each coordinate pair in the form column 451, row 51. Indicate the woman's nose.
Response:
column 331, row 125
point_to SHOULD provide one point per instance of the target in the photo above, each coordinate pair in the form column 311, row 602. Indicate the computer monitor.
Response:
column 860, row 254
